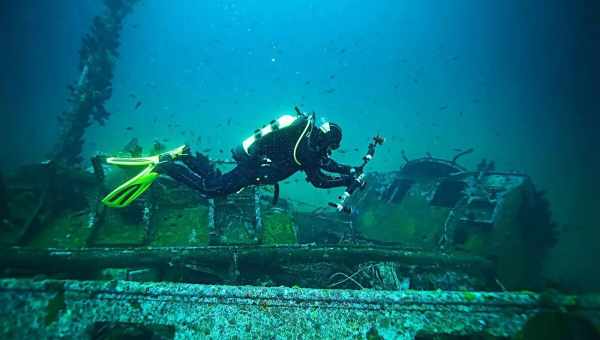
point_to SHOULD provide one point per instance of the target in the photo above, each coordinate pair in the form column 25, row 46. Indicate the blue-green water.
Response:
column 514, row 80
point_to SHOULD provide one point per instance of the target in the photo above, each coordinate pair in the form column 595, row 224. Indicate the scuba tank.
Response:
column 275, row 141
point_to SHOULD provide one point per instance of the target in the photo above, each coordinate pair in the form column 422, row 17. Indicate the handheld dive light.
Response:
column 359, row 182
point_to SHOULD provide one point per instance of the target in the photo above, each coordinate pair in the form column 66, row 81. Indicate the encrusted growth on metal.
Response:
column 46, row 309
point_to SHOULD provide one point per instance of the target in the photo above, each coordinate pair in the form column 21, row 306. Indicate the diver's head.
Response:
column 330, row 136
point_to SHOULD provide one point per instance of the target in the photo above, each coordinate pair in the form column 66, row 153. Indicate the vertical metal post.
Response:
column 257, row 216
column 147, row 218
column 212, row 233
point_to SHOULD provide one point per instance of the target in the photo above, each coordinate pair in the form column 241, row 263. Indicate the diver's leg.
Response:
column 216, row 184
column 200, row 164
column 182, row 174
column 229, row 182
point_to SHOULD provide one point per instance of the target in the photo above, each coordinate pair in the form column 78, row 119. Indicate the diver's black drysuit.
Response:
column 275, row 157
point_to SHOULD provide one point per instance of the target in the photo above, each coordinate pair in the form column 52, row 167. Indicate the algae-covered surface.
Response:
column 9, row 235
column 505, row 243
column 185, row 226
column 411, row 222
column 117, row 229
column 235, row 219
column 66, row 231
column 21, row 205
column 238, row 232
column 278, row 228
column 74, row 309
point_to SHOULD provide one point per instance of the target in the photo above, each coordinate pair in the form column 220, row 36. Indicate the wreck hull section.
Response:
column 85, row 309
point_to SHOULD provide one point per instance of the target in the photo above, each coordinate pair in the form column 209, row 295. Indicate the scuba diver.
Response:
column 270, row 155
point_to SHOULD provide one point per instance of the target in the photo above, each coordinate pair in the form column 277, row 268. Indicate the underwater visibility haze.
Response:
column 216, row 169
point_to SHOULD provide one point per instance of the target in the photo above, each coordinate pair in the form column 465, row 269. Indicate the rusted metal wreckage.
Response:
column 431, row 251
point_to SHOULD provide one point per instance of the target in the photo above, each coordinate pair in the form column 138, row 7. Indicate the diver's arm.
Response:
column 330, row 165
column 320, row 180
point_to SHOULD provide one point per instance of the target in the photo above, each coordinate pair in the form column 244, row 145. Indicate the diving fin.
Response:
column 127, row 192
column 132, row 189
column 129, row 162
column 142, row 161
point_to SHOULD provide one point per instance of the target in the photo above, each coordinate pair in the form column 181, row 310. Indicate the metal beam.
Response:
column 74, row 309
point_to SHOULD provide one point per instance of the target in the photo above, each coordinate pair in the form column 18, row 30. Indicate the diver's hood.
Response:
column 330, row 136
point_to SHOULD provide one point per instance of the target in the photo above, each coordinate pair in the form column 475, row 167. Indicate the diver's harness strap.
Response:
column 359, row 182
column 307, row 131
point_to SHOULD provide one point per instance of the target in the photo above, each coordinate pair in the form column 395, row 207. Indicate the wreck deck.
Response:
column 86, row 309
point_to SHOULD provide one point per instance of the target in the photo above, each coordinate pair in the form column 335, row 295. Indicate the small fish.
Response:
column 129, row 128
column 355, row 149
column 206, row 150
column 132, row 96
column 228, row 121
column 443, row 107
column 307, row 82
column 342, row 51
column 137, row 105
column 329, row 91
column 220, row 150
column 332, row 76
column 342, row 151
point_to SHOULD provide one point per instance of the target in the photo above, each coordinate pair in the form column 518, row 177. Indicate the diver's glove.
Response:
column 361, row 180
column 356, row 170
column 353, row 183
column 358, row 182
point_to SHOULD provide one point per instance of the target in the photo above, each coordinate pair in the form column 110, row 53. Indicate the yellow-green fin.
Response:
column 132, row 189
